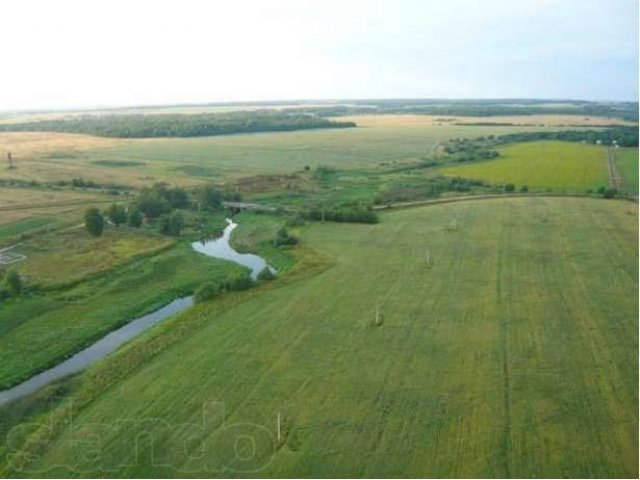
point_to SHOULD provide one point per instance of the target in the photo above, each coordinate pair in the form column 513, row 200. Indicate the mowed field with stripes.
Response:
column 493, row 338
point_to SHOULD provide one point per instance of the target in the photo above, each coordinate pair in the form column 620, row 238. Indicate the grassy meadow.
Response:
column 626, row 160
column 24, row 225
column 25, row 212
column 494, row 338
column 564, row 166
column 39, row 329
column 70, row 255
column 51, row 157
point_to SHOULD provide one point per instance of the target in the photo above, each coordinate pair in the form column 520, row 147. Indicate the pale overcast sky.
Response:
column 67, row 53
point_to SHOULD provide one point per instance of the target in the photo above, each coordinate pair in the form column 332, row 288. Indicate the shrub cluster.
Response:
column 342, row 214
column 285, row 238
column 11, row 285
column 467, row 150
column 237, row 284
column 205, row 292
column 171, row 224
column 431, row 187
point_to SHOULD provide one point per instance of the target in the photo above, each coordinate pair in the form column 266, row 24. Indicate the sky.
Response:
column 68, row 53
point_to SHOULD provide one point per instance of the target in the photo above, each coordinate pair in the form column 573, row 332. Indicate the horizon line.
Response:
column 302, row 101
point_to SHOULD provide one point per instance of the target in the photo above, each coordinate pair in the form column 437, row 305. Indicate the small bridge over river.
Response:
column 237, row 207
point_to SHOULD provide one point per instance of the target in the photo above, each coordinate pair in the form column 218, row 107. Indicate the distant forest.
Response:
column 621, row 136
column 481, row 108
column 179, row 125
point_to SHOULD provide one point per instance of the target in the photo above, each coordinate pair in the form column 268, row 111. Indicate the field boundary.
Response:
column 438, row 201
column 9, row 208
column 612, row 169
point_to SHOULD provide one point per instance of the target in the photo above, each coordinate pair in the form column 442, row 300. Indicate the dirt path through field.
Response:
column 614, row 176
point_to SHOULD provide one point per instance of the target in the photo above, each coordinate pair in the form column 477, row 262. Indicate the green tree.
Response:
column 285, row 238
column 116, row 213
column 163, row 224
column 152, row 203
column 209, row 197
column 177, row 197
column 266, row 274
column 94, row 222
column 13, row 282
column 205, row 292
column 134, row 217
column 171, row 224
column 176, row 222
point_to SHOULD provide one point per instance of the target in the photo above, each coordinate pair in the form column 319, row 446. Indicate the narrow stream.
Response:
column 218, row 248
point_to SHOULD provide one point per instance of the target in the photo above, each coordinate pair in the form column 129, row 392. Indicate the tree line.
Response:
column 479, row 108
column 622, row 136
column 179, row 125
column 341, row 214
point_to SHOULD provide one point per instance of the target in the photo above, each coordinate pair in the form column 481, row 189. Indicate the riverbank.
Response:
column 42, row 328
column 409, row 345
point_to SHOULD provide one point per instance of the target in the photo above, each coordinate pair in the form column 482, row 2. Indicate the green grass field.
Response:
column 565, row 166
column 505, row 346
column 70, row 255
column 24, row 225
column 190, row 161
column 39, row 329
column 627, row 163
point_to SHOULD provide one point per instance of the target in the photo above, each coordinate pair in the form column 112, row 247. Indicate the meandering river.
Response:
column 218, row 248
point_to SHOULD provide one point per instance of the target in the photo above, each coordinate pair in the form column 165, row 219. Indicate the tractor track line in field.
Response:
column 612, row 170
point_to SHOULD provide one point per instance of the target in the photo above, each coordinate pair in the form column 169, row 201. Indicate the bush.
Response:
column 266, row 274
column 177, row 197
column 285, row 238
column 134, row 217
column 237, row 284
column 610, row 193
column 205, row 292
column 509, row 187
column 171, row 224
column 350, row 215
column 116, row 213
column 600, row 190
column 524, row 188
column 152, row 204
column 94, row 222
column 176, row 222
column 209, row 197
column 13, row 282
column 296, row 221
